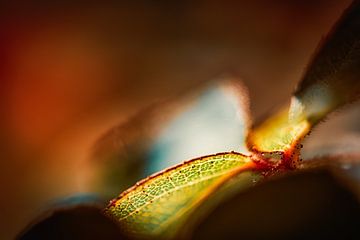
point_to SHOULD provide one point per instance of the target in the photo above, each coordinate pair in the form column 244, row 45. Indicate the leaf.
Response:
column 279, row 134
column 345, row 165
column 161, row 204
column 76, row 222
column 331, row 80
column 309, row 204
column 210, row 120
column 218, row 121
column 343, row 145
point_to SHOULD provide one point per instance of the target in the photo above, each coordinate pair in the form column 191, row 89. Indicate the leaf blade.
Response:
column 216, row 115
column 331, row 81
column 219, row 119
column 332, row 77
column 280, row 133
column 164, row 201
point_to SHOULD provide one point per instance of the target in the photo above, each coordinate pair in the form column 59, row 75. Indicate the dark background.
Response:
column 70, row 72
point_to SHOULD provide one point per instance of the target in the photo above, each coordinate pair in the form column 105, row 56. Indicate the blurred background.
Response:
column 71, row 72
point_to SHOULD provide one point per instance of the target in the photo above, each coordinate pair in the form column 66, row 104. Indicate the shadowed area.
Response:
column 83, row 222
column 308, row 205
column 69, row 72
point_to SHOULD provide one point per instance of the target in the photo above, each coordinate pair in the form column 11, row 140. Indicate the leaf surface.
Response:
column 217, row 121
column 332, row 77
column 204, row 121
column 279, row 133
column 298, row 205
column 331, row 81
column 161, row 204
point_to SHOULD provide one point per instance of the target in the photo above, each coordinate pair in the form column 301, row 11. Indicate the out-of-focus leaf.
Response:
column 218, row 121
column 310, row 204
column 280, row 133
column 344, row 165
column 333, row 77
column 77, row 222
column 331, row 80
column 160, row 205
column 215, row 119
column 342, row 145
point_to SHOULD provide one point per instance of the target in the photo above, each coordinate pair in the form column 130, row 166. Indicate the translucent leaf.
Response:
column 215, row 119
column 332, row 78
column 161, row 204
column 280, row 133
column 218, row 121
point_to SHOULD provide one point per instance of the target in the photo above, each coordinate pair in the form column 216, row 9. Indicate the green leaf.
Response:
column 160, row 205
column 331, row 80
column 279, row 134
column 170, row 132
column 333, row 76
column 218, row 120
column 311, row 204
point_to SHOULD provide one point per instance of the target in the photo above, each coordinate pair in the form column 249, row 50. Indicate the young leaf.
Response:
column 279, row 133
column 218, row 121
column 160, row 205
column 332, row 80
column 215, row 119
